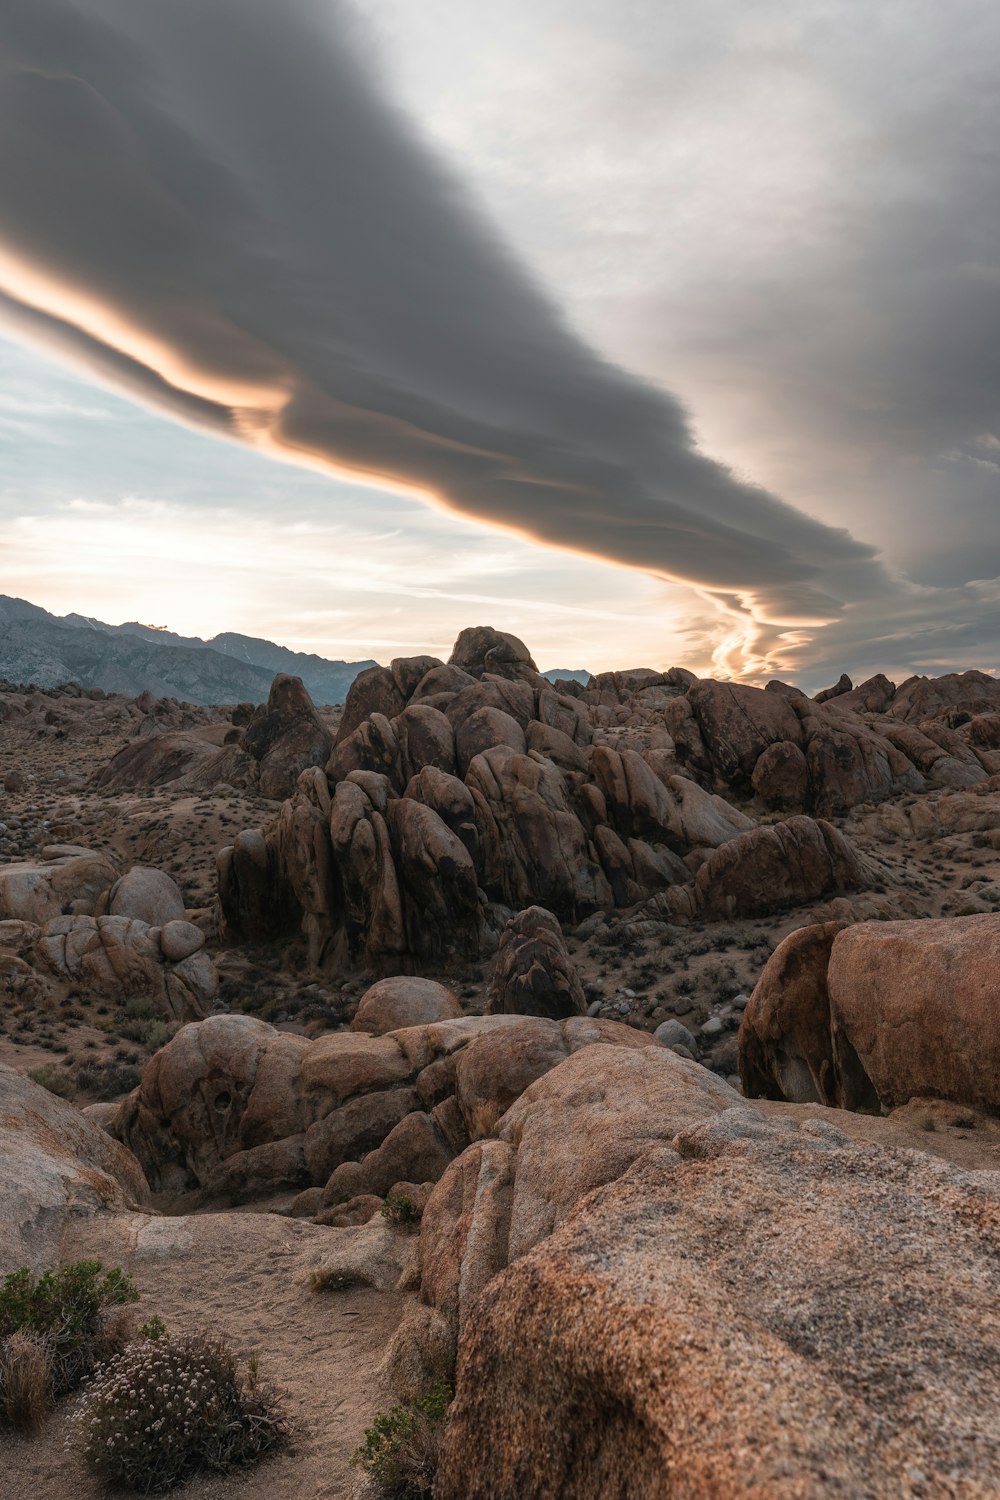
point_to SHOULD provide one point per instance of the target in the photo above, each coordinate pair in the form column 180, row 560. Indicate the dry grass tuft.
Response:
column 26, row 1379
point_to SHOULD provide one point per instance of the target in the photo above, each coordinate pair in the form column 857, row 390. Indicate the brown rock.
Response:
column 781, row 777
column 760, row 1318
column 372, row 691
column 392, row 1004
column 482, row 649
column 898, row 1010
column 534, row 974
column 285, row 736
column 771, row 868
column 738, row 723
column 785, row 1047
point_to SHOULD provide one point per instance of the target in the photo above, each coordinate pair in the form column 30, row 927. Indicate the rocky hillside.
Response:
column 45, row 650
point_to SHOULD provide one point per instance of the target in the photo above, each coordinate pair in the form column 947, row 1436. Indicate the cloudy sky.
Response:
column 655, row 332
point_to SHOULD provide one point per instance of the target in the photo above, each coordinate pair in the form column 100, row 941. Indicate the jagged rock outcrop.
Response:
column 458, row 792
column 54, row 1164
column 755, row 1310
column 878, row 1013
column 534, row 974
column 235, row 1107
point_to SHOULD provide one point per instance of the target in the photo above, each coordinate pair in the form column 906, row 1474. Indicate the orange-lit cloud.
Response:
column 238, row 226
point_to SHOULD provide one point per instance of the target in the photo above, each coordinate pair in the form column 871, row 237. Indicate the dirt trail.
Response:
column 240, row 1274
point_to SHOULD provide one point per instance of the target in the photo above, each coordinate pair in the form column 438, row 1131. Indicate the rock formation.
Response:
column 53, row 1164
column 755, row 1310
column 878, row 1013
column 534, row 974
column 235, row 1107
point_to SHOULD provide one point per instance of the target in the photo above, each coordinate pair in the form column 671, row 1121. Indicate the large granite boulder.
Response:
column 146, row 895
column 64, row 879
column 392, row 1004
column 756, row 1311
column 878, row 1013
column 54, row 1164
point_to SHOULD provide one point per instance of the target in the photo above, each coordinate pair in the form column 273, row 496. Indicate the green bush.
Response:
column 167, row 1408
column 402, row 1447
column 72, row 1316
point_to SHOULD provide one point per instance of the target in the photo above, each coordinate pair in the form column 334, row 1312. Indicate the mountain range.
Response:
column 46, row 650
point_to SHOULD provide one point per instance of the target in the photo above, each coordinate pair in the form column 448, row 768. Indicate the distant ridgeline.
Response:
column 47, row 650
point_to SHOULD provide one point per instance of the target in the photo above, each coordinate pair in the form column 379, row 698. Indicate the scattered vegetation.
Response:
column 55, row 1329
column 402, row 1447
column 399, row 1209
column 166, row 1408
column 55, row 1079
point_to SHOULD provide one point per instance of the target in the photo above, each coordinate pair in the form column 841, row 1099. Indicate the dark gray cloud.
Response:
column 231, row 219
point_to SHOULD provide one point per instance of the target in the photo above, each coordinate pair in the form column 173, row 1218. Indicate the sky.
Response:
column 656, row 333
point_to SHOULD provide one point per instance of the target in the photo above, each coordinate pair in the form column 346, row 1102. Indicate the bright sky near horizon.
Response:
column 686, row 320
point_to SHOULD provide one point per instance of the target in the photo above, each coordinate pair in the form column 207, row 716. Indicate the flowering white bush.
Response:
column 167, row 1407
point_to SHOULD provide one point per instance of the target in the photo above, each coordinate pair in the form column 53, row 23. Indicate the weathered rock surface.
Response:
column 148, row 895
column 393, row 1004
column 577, row 1126
column 64, row 879
column 284, row 737
column 757, row 1312
column 120, row 957
column 534, row 974
column 771, row 868
column 233, row 1106
column 878, row 1013
column 53, row 1164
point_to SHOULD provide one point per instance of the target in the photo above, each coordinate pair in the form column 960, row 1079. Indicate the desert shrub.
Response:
column 399, row 1209
column 70, row 1319
column 56, row 1080
column 486, row 1117
column 25, row 1379
column 402, row 1447
column 166, row 1408
column 109, row 1079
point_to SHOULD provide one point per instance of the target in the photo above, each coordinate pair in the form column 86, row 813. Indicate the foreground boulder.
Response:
column 54, row 1163
column 577, row 1126
column 534, row 974
column 878, row 1013
column 756, row 1313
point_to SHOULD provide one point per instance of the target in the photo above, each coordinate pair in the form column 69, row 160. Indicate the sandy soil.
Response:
column 240, row 1275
